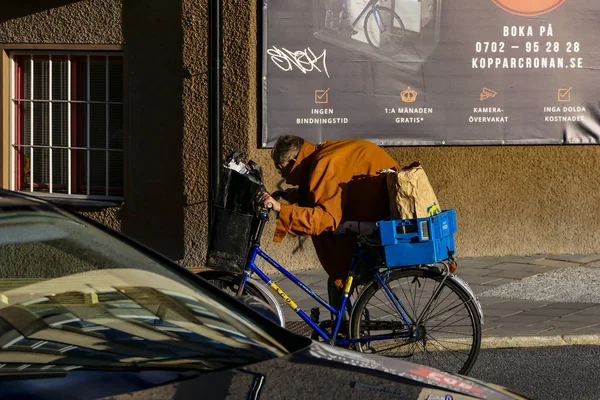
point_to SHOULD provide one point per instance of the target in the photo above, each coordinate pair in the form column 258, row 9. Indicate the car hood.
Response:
column 322, row 371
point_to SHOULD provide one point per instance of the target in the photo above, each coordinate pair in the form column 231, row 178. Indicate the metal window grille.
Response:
column 67, row 124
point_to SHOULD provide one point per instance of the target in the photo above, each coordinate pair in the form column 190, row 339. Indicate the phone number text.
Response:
column 530, row 47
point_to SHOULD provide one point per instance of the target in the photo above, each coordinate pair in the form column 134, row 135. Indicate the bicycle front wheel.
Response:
column 443, row 330
column 230, row 283
column 384, row 30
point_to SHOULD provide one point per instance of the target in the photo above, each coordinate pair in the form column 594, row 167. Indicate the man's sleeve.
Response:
column 326, row 215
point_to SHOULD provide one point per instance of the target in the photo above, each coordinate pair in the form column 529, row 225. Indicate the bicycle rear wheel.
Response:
column 446, row 335
column 384, row 30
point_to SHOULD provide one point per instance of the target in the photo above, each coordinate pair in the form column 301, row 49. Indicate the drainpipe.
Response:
column 215, row 82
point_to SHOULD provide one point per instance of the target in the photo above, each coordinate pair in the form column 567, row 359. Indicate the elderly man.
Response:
column 340, row 180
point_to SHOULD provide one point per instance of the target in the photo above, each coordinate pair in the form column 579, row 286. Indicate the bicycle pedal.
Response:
column 315, row 314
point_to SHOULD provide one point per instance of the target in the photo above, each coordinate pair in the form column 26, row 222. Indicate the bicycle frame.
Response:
column 251, row 268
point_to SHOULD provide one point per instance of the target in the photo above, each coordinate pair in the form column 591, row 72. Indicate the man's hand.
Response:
column 266, row 198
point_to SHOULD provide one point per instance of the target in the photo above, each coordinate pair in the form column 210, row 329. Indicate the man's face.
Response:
column 285, row 168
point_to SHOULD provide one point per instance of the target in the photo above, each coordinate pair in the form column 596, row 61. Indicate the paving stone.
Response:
column 525, row 319
column 491, row 300
column 500, row 282
column 541, row 256
column 479, row 280
column 578, row 258
column 310, row 280
column 496, row 313
column 511, row 274
column 590, row 311
column 522, row 305
column 552, row 327
column 473, row 272
column 478, row 288
column 475, row 263
column 558, row 332
column 310, row 275
column 489, row 326
column 572, row 306
column 522, row 259
column 549, row 311
column 518, row 267
column 594, row 329
column 590, row 319
column 513, row 329
column 557, row 263
column 480, row 262
column 544, row 269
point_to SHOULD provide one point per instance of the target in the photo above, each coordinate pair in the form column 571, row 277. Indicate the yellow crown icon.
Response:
column 408, row 95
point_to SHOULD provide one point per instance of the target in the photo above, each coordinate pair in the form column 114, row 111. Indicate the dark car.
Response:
column 88, row 313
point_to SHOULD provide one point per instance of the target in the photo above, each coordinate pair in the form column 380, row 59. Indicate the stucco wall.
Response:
column 154, row 125
column 64, row 22
column 61, row 21
column 195, row 131
column 509, row 200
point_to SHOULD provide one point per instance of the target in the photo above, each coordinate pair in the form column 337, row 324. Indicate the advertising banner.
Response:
column 432, row 72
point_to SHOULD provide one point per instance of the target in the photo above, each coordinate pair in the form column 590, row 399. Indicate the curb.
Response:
column 538, row 341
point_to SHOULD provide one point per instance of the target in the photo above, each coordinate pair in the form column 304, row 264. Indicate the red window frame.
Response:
column 78, row 125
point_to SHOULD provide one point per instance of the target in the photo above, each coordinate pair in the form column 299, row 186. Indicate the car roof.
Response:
column 10, row 199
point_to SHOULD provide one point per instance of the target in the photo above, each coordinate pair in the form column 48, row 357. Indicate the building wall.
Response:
column 61, row 22
column 56, row 25
column 154, row 74
column 159, row 210
column 510, row 200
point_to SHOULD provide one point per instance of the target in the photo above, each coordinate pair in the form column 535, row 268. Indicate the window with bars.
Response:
column 67, row 124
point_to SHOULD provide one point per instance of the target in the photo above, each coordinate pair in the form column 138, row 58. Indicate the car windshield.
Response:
column 73, row 296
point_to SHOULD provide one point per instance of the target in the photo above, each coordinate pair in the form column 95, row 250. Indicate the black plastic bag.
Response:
column 234, row 222
column 229, row 240
column 237, row 191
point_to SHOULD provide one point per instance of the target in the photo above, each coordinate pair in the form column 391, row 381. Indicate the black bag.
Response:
column 229, row 240
column 237, row 191
column 234, row 222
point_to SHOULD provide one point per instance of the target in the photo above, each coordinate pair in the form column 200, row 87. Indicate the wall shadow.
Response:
column 154, row 181
column 19, row 9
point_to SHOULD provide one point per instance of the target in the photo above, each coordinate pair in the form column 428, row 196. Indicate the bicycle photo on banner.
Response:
column 432, row 72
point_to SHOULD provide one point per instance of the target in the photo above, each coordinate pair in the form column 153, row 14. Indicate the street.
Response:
column 545, row 373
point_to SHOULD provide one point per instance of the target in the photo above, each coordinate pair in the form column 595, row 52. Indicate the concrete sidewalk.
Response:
column 504, row 286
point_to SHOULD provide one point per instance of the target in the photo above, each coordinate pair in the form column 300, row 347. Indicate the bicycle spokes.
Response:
column 384, row 30
column 443, row 328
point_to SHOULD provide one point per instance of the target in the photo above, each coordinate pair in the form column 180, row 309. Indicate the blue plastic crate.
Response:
column 418, row 241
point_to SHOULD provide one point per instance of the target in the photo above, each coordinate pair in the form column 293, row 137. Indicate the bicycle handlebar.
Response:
column 278, row 194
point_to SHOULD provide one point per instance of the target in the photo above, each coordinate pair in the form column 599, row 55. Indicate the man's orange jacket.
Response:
column 343, row 185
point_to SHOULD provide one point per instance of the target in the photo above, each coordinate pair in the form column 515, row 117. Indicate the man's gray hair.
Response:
column 286, row 148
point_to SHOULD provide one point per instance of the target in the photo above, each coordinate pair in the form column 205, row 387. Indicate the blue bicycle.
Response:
column 423, row 313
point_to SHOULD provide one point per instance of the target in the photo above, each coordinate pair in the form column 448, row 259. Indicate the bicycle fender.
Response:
column 258, row 285
column 463, row 284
